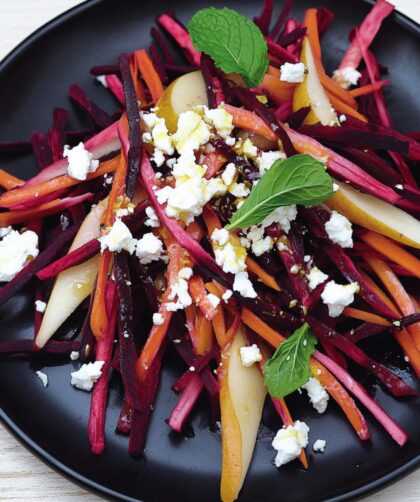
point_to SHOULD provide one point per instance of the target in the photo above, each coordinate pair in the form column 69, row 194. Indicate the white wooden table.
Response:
column 22, row 476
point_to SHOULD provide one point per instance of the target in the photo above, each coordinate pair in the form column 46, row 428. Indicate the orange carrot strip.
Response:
column 45, row 187
column 245, row 119
column 332, row 87
column 273, row 70
column 218, row 321
column 99, row 316
column 342, row 107
column 393, row 251
column 365, row 316
column 149, row 74
column 336, row 390
column 278, row 90
column 199, row 295
column 190, row 316
column 177, row 260
column 398, row 293
column 214, row 162
column 8, row 181
column 138, row 86
column 378, row 291
column 262, row 275
column 311, row 22
column 368, row 89
column 211, row 219
column 204, row 331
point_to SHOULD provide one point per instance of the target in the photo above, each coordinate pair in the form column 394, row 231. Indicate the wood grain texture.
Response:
column 22, row 476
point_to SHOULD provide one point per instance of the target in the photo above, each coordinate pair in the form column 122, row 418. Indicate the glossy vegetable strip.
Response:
column 41, row 150
column 368, row 30
column 199, row 295
column 218, row 321
column 366, row 316
column 116, row 87
column 398, row 293
column 185, row 403
column 204, row 330
column 368, row 88
column 177, row 260
column 149, row 74
column 393, row 251
column 53, row 207
column 96, row 426
column 280, row 52
column 254, row 268
column 99, row 116
column 283, row 14
column 214, row 162
column 8, row 181
column 320, row 373
column 342, row 107
column 14, row 197
column 263, row 20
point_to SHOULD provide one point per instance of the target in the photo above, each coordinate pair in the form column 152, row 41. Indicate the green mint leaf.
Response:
column 300, row 179
column 289, row 368
column 235, row 44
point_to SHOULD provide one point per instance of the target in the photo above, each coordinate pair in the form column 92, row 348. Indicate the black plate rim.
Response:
column 60, row 467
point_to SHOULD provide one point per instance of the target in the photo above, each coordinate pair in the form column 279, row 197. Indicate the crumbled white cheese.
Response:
column 261, row 246
column 230, row 141
column 267, row 159
column 230, row 257
column 43, row 377
column 319, row 445
column 227, row 295
column 214, row 300
column 80, row 161
column 315, row 278
column 339, row 230
column 122, row 212
column 152, row 219
column 229, row 173
column 307, row 258
column 74, row 355
column 4, row 231
column 250, row 355
column 289, row 442
column 158, row 319
column 102, row 80
column 249, row 149
column 149, row 248
column 337, row 297
column 118, row 238
column 87, row 375
column 40, row 306
column 179, row 293
column 294, row 269
column 192, row 132
column 243, row 285
column 317, row 394
column 16, row 249
column 293, row 73
column 220, row 236
column 346, row 76
column 220, row 119
column 239, row 190
column 282, row 216
column 185, row 273
column 342, row 118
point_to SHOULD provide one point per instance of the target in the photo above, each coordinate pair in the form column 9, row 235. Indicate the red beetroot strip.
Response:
column 283, row 15
column 99, row 116
column 29, row 271
column 115, row 86
column 104, row 348
column 263, row 20
column 186, row 403
column 394, row 384
column 25, row 348
column 15, row 146
column 41, row 150
column 56, row 134
column 125, row 329
column 182, row 381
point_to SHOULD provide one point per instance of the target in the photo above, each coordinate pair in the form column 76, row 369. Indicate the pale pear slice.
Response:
column 242, row 396
column 376, row 214
column 182, row 95
column 311, row 93
column 75, row 284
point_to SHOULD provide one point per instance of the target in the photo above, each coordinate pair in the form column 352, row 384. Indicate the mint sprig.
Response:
column 289, row 368
column 235, row 44
column 300, row 179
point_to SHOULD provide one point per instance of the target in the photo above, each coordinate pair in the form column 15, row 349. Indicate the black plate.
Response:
column 53, row 421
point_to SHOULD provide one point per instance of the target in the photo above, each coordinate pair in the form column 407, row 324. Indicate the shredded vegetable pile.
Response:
column 242, row 208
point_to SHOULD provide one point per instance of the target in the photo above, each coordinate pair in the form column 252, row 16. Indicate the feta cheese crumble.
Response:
column 43, row 377
column 4, row 231
column 293, row 73
column 315, row 278
column 102, row 80
column 16, row 249
column 87, row 375
column 283, row 216
column 337, row 296
column 339, row 230
column 227, row 295
column 346, row 76
column 118, row 238
column 289, row 442
column 213, row 299
column 80, row 161
column 74, row 355
column 317, row 394
column 231, row 257
column 40, row 306
column 158, row 319
column 152, row 220
column 250, row 355
column 220, row 119
column 179, row 292
column 229, row 173
column 149, row 248
column 244, row 286
column 319, row 445
column 267, row 159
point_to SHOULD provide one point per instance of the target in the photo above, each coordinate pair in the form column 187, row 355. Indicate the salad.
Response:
column 242, row 208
